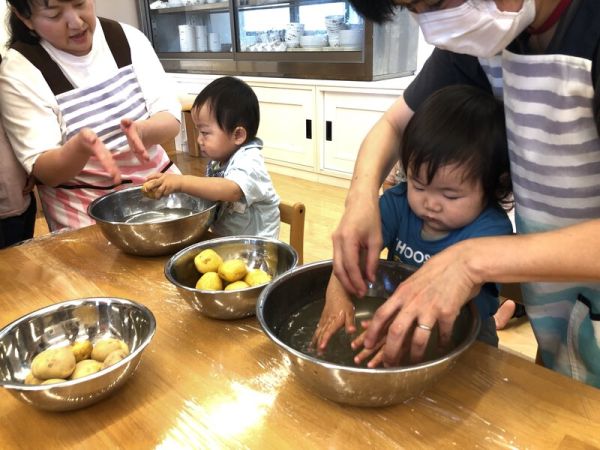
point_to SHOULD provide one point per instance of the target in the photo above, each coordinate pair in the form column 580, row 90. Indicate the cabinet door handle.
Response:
column 328, row 133
column 308, row 129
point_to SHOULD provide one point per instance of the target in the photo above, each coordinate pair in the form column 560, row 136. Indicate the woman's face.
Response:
column 67, row 25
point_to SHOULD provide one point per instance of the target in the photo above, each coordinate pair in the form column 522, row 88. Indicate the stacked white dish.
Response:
column 333, row 25
column 293, row 32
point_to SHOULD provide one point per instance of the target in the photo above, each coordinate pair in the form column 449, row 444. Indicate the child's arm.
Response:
column 210, row 188
column 60, row 164
column 338, row 312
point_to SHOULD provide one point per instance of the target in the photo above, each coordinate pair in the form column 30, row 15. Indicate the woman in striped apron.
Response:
column 85, row 103
column 541, row 57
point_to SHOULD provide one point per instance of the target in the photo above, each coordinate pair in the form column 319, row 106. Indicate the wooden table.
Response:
column 205, row 383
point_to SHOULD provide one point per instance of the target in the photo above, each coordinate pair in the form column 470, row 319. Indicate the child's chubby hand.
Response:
column 158, row 185
column 338, row 312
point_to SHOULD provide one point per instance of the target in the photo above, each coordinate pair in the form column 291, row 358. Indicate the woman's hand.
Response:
column 338, row 312
column 135, row 139
column 94, row 145
column 357, row 238
column 433, row 294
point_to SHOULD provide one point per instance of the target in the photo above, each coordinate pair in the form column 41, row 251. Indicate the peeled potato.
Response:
column 233, row 270
column 207, row 261
column 85, row 368
column 210, row 281
column 114, row 357
column 256, row 277
column 146, row 191
column 237, row 285
column 30, row 379
column 53, row 363
column 82, row 350
column 105, row 346
column 54, row 381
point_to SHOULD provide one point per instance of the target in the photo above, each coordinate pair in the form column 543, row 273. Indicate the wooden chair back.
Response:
column 293, row 215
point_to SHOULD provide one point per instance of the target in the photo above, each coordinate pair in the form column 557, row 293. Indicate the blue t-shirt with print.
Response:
column 401, row 230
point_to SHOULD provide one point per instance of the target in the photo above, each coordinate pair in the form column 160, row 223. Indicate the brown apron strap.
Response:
column 54, row 76
column 40, row 58
column 117, row 42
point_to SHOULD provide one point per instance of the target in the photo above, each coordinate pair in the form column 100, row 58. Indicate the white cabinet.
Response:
column 286, row 125
column 347, row 117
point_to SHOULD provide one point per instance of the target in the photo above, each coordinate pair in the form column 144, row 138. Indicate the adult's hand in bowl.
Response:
column 358, row 234
column 433, row 294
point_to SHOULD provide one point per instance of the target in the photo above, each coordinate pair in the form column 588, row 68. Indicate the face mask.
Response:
column 476, row 27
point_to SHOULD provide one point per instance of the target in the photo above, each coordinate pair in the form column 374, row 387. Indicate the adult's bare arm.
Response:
column 436, row 292
column 359, row 231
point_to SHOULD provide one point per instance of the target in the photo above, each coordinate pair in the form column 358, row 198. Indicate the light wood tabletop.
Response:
column 205, row 383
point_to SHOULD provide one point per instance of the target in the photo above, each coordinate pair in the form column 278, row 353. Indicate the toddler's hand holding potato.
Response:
column 158, row 185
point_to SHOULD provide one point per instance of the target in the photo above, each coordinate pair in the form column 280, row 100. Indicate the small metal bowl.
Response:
column 289, row 309
column 63, row 323
column 142, row 226
column 271, row 255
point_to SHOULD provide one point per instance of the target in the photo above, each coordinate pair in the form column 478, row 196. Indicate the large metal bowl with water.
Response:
column 63, row 324
column 289, row 309
column 143, row 226
column 271, row 255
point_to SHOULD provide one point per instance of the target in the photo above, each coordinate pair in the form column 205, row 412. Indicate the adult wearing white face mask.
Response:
column 540, row 56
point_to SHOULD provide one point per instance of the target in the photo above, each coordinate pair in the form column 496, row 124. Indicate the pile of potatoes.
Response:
column 230, row 275
column 78, row 360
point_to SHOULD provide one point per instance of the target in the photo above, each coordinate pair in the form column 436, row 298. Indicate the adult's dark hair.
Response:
column 461, row 125
column 233, row 103
column 17, row 30
column 378, row 11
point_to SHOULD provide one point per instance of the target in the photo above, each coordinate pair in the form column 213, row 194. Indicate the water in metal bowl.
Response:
column 64, row 323
column 289, row 309
column 147, row 227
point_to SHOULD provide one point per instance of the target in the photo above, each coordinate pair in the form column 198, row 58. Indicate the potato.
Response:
column 85, row 368
column 54, row 381
column 256, row 277
column 207, row 261
column 147, row 192
column 53, row 363
column 30, row 379
column 237, row 285
column 82, row 350
column 105, row 346
column 114, row 357
column 210, row 281
column 233, row 270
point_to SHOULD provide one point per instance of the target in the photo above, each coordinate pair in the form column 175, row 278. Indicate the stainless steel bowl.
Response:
column 146, row 227
column 271, row 255
column 288, row 311
column 63, row 323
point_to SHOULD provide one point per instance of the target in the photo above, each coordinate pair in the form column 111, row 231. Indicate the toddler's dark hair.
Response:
column 461, row 125
column 233, row 103
column 378, row 11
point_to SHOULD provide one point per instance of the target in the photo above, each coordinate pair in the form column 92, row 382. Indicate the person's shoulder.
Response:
column 133, row 35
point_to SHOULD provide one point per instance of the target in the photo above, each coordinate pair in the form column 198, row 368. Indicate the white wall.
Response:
column 121, row 10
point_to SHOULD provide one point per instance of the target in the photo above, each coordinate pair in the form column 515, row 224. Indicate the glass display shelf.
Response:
column 294, row 38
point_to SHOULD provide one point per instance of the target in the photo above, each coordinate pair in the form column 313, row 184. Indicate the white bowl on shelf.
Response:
column 351, row 38
column 313, row 40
